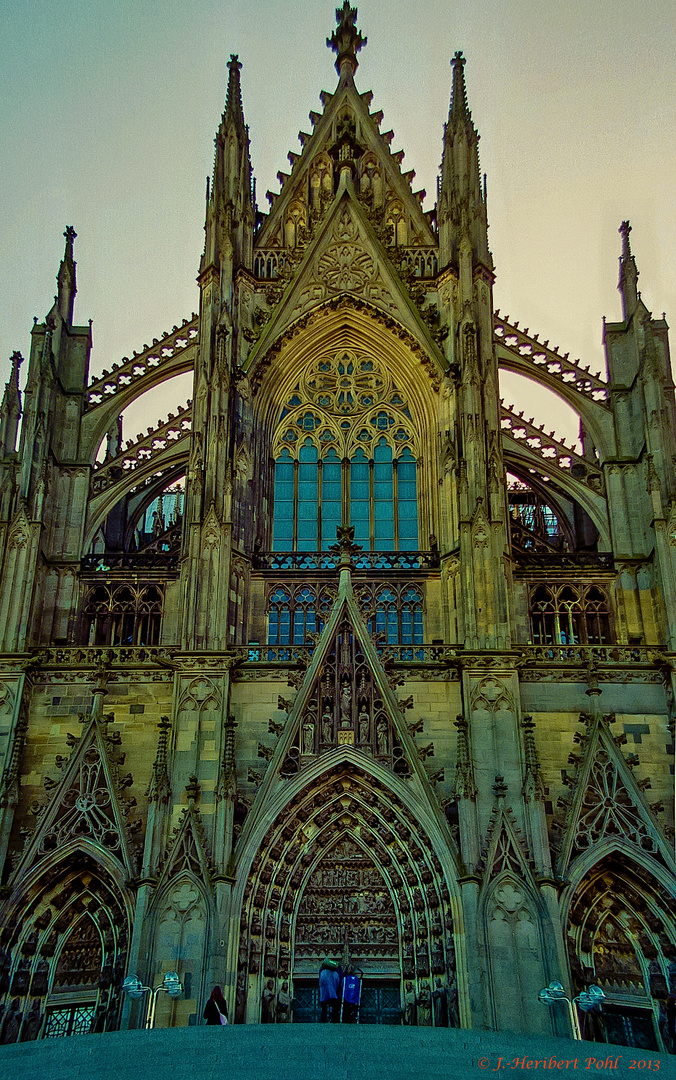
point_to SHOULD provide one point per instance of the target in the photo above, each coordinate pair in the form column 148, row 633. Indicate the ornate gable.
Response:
column 345, row 255
column 187, row 850
column 607, row 801
column 88, row 802
column 345, row 700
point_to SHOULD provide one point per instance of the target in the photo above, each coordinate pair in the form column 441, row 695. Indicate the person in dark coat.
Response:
column 329, row 989
column 216, row 1007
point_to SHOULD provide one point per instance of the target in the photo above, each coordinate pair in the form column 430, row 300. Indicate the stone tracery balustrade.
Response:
column 152, row 356
column 328, row 560
column 261, row 655
column 105, row 562
column 537, row 355
column 550, row 449
column 583, row 655
column 144, row 449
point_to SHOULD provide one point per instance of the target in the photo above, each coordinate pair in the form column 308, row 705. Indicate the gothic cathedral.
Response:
column 345, row 658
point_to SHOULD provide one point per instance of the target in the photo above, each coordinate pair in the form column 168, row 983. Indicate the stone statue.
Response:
column 284, row 1004
column 440, row 1003
column 327, row 727
column 268, row 1003
column 40, row 979
column 345, row 702
column 308, row 737
column 381, row 732
column 424, row 1007
column 410, row 1017
column 452, row 1002
column 32, row 1023
column 363, row 726
column 11, row 1024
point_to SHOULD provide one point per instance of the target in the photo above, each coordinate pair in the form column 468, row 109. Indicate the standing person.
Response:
column 351, row 995
column 216, row 1008
column 329, row 988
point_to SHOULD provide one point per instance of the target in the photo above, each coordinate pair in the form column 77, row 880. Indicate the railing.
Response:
column 129, row 560
column 583, row 655
column 440, row 656
column 329, row 560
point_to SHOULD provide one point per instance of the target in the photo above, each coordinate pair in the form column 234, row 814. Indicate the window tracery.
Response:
column 345, row 452
column 395, row 613
column 123, row 614
column 570, row 615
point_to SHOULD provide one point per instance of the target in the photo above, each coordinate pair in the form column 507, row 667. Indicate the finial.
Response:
column 346, row 40
column 16, row 360
column 233, row 99
column 70, row 235
column 459, row 95
column 624, row 230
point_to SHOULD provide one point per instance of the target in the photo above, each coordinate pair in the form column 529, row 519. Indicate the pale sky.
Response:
column 110, row 108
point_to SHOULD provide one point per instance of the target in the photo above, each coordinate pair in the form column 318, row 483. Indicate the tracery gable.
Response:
column 88, row 801
column 504, row 850
column 345, row 256
column 347, row 122
column 607, row 800
column 344, row 700
column 187, row 851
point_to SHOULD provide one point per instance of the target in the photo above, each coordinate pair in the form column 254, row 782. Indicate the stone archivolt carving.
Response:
column 354, row 878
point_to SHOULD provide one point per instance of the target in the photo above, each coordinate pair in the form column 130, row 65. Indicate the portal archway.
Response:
column 345, row 825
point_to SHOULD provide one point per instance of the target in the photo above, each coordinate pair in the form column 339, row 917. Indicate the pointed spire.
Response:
column 346, row 40
column 65, row 279
column 628, row 274
column 459, row 109
column 11, row 408
column 233, row 100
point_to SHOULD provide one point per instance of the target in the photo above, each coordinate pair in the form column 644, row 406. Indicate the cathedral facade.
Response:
column 345, row 658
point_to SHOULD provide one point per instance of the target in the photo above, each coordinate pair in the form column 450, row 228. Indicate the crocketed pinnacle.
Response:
column 346, row 40
column 233, row 100
column 628, row 283
column 459, row 109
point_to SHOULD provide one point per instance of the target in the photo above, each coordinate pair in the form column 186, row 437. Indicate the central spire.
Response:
column 346, row 40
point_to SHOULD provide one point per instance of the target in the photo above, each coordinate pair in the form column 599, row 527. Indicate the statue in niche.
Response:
column 40, row 979
column 268, row 1003
column 424, row 1007
column 32, row 1023
column 381, row 734
column 453, row 1014
column 345, row 703
column 11, row 1024
column 240, row 998
column 440, row 1004
column 308, row 737
column 327, row 727
column 364, row 724
column 410, row 1017
column 284, row 1004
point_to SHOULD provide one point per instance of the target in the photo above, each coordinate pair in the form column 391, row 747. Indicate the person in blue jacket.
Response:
column 329, row 990
column 351, row 995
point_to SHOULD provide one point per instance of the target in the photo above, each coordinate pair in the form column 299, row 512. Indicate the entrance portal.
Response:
column 347, row 903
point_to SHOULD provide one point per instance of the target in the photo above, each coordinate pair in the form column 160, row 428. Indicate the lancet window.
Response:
column 123, row 614
column 345, row 454
column 393, row 612
column 570, row 615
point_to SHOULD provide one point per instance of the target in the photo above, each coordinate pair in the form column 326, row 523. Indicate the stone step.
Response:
column 318, row 1052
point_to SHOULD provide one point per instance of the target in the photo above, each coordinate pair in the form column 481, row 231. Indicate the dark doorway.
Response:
column 629, row 1027
column 380, row 1002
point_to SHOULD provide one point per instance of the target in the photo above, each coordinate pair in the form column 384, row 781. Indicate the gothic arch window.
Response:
column 345, row 453
column 124, row 614
column 399, row 615
column 570, row 615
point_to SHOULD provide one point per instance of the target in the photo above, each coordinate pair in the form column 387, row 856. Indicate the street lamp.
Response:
column 555, row 992
column 134, row 988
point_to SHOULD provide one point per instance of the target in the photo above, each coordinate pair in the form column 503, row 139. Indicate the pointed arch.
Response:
column 343, row 795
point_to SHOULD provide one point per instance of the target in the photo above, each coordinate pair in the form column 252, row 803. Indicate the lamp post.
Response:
column 135, row 989
column 555, row 992
column 588, row 1000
